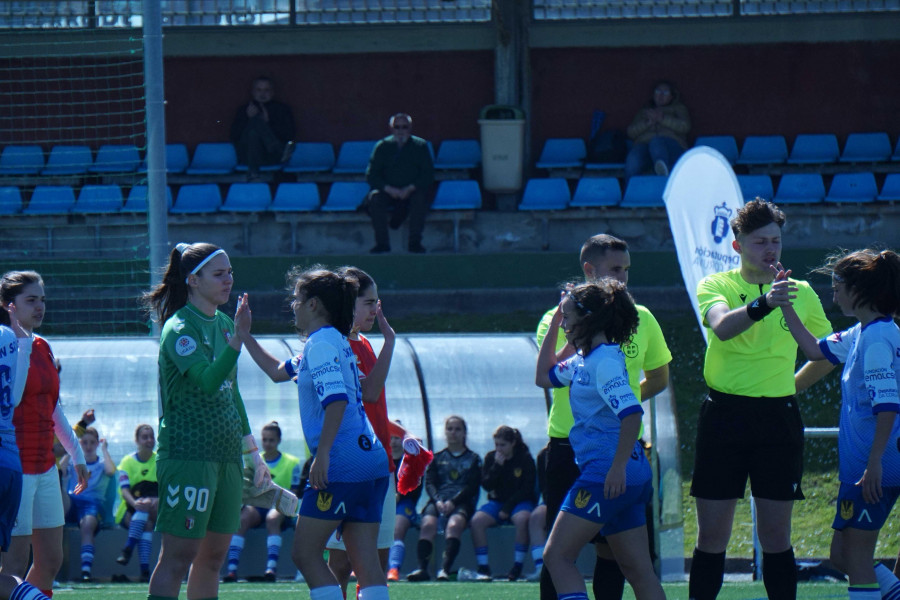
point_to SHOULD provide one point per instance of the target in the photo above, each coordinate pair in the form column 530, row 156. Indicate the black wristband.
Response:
column 759, row 308
column 82, row 424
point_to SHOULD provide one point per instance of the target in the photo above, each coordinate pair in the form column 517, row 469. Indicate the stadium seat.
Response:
column 137, row 199
column 814, row 149
column 546, row 194
column 852, row 188
column 597, row 191
column 800, row 188
column 763, row 150
column 890, row 190
column 295, row 197
column 176, row 159
column 562, row 153
column 353, row 158
column 247, row 197
column 726, row 144
column 644, row 191
column 99, row 199
column 896, row 155
column 346, row 196
column 10, row 200
column 753, row 186
column 113, row 158
column 867, row 147
column 68, row 160
column 197, row 198
column 311, row 157
column 50, row 200
column 458, row 154
column 21, row 160
column 216, row 158
column 457, row 194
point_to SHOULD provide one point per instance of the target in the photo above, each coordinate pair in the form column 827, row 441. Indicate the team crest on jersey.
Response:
column 323, row 501
column 189, row 523
column 517, row 472
column 320, row 390
column 846, row 509
column 185, row 345
column 454, row 474
column 630, row 350
column 227, row 335
column 582, row 498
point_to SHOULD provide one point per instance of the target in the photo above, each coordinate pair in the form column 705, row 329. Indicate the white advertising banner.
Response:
column 702, row 196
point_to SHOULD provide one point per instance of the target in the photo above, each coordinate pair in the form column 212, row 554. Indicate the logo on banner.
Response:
column 719, row 226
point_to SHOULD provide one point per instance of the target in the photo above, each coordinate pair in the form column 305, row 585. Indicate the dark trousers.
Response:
column 561, row 475
column 381, row 206
column 258, row 145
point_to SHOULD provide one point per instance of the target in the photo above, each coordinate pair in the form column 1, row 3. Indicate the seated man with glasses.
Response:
column 400, row 174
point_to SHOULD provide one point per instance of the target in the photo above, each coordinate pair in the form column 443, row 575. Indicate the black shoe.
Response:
column 419, row 575
column 379, row 249
column 230, row 577
column 287, row 152
column 86, row 577
column 484, row 573
column 417, row 248
column 125, row 555
column 514, row 573
column 145, row 577
column 269, row 576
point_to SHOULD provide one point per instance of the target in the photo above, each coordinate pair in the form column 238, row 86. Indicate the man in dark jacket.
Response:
column 263, row 129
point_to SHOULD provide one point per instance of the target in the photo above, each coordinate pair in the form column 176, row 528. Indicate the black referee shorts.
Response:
column 740, row 437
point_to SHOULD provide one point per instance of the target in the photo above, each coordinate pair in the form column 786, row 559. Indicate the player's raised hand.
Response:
column 383, row 326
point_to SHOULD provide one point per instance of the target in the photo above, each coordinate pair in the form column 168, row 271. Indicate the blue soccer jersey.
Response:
column 14, row 359
column 326, row 372
column 600, row 399
column 96, row 484
column 871, row 357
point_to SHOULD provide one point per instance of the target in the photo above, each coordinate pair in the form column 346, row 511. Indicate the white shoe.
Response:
column 442, row 575
column 465, row 574
column 536, row 576
column 660, row 168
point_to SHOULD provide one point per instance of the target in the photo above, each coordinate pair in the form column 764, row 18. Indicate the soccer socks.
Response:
column 26, row 591
column 423, row 553
column 396, row 554
column 888, row 582
column 707, row 573
column 273, row 549
column 136, row 528
column 521, row 551
column 144, row 548
column 87, row 558
column 574, row 596
column 326, row 592
column 451, row 550
column 780, row 575
column 537, row 556
column 609, row 583
column 864, row 591
column 481, row 555
column 374, row 592
column 234, row 552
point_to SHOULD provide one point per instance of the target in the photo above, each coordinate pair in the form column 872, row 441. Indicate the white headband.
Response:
column 182, row 247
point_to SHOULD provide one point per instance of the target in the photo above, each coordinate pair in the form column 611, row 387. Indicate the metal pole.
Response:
column 157, row 209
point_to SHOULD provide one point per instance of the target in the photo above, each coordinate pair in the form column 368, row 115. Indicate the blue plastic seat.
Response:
column 457, row 194
column 597, row 191
column 353, row 157
column 247, row 197
column 763, row 150
column 814, row 149
column 176, row 159
column 197, row 198
column 890, row 190
column 644, row 191
column 756, row 186
column 296, row 197
column 856, row 188
column 10, row 200
column 726, row 144
column 68, row 160
column 562, row 153
column 112, row 158
column 216, row 158
column 50, row 200
column 311, row 157
column 99, row 199
column 21, row 160
column 800, row 188
column 458, row 154
column 137, row 199
column 546, row 194
column 896, row 155
column 867, row 147
column 346, row 196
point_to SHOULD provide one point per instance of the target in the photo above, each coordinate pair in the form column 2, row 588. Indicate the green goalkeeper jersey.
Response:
column 202, row 416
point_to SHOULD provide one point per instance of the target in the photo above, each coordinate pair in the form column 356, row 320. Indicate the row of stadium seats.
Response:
column 217, row 158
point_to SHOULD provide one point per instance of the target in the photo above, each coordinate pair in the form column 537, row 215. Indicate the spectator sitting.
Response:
column 509, row 478
column 400, row 173
column 452, row 484
column 263, row 129
column 285, row 470
column 407, row 516
column 659, row 132
column 87, row 505
column 138, row 495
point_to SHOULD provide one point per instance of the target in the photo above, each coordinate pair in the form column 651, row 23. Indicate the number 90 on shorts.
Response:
column 198, row 496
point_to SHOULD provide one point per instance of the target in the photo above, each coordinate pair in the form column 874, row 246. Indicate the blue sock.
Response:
column 521, row 551
column 865, row 591
column 87, row 558
column 396, row 554
column 537, row 555
column 145, row 546
column 574, row 596
column 273, row 549
column 373, row 592
column 26, row 591
column 234, row 552
column 888, row 582
column 481, row 555
column 136, row 528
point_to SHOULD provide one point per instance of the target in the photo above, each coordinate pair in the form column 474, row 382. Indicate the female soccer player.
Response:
column 40, row 519
column 348, row 478
column 610, row 495
column 508, row 475
column 203, row 425
column 866, row 286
